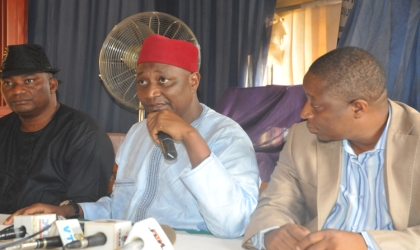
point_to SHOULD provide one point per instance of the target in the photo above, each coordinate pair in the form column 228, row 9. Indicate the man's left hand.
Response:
column 332, row 239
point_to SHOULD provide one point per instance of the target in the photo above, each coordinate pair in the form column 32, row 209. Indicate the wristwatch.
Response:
column 75, row 206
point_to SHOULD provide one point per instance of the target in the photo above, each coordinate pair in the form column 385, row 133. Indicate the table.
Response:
column 3, row 217
column 187, row 241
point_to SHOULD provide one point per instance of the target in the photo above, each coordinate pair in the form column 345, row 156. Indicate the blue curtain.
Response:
column 72, row 33
column 389, row 29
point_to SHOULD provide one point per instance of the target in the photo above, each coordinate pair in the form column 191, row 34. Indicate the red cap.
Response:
column 160, row 49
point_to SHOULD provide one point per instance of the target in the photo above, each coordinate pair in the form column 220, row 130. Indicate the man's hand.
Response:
column 169, row 123
column 332, row 239
column 286, row 237
column 173, row 125
column 40, row 208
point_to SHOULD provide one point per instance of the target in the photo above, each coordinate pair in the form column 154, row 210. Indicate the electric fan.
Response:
column 119, row 53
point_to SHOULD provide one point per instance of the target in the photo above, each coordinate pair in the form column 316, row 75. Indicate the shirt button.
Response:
column 361, row 196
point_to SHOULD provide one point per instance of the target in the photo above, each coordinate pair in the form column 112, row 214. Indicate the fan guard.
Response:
column 120, row 50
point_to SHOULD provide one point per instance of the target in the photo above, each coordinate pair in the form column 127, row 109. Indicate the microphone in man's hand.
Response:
column 167, row 145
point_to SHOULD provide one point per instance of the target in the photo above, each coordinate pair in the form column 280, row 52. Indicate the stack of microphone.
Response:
column 100, row 234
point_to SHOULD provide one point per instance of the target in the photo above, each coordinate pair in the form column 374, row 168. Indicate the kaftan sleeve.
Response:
column 226, row 185
column 97, row 210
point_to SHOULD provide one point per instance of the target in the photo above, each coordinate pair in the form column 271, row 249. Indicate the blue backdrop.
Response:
column 390, row 31
column 72, row 33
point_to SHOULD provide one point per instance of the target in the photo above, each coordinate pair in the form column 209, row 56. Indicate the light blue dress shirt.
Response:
column 361, row 203
column 218, row 195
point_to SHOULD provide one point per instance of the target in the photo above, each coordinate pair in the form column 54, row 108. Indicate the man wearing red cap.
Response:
column 212, row 185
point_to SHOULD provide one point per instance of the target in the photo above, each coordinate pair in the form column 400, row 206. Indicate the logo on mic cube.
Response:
column 35, row 223
column 69, row 230
column 151, row 234
column 116, row 232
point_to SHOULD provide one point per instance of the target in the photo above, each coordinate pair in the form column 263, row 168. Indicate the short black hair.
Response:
column 350, row 73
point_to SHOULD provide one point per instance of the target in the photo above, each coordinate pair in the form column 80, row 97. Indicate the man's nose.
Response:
column 153, row 90
column 18, row 88
column 306, row 112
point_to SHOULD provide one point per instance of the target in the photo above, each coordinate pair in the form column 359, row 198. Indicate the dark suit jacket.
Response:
column 305, row 184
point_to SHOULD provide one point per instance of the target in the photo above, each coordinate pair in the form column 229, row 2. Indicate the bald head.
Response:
column 351, row 73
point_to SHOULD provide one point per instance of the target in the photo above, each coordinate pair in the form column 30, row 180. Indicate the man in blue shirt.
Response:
column 348, row 176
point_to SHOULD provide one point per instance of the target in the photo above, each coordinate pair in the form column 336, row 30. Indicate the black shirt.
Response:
column 70, row 158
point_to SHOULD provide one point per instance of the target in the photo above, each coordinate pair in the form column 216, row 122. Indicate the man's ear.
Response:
column 53, row 85
column 195, row 81
column 360, row 108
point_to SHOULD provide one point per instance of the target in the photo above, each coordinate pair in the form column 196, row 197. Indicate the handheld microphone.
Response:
column 167, row 145
column 49, row 242
column 98, row 239
column 12, row 233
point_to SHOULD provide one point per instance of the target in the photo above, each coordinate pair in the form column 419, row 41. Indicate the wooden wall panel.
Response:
column 14, row 30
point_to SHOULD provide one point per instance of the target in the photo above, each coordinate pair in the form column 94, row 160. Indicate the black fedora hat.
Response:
column 25, row 59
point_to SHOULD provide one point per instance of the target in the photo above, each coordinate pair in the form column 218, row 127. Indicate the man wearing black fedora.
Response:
column 49, row 152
